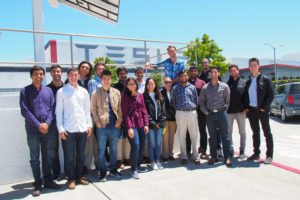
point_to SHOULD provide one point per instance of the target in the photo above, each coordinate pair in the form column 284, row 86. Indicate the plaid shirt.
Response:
column 94, row 84
column 172, row 70
column 184, row 97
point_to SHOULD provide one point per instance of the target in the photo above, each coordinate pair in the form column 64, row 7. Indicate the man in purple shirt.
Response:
column 36, row 102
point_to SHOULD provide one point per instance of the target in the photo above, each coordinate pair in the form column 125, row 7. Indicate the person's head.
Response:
column 168, row 83
column 172, row 52
column 151, row 86
column 214, row 73
column 56, row 72
column 234, row 71
column 193, row 72
column 205, row 64
column 37, row 74
column 131, row 86
column 139, row 73
column 99, row 68
column 106, row 79
column 73, row 76
column 183, row 76
column 85, row 69
column 254, row 66
column 122, row 74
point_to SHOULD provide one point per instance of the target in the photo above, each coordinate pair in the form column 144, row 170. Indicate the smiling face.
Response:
column 172, row 52
column 139, row 74
column 193, row 73
column 56, row 74
column 106, row 81
column 131, row 85
column 184, row 77
column 99, row 69
column 84, row 69
column 37, row 77
column 122, row 76
column 73, row 77
column 205, row 64
column 234, row 72
column 168, row 83
column 214, row 74
column 151, row 85
column 254, row 68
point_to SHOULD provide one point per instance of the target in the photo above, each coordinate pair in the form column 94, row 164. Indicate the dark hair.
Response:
column 182, row 72
column 121, row 69
column 233, row 65
column 254, row 60
column 55, row 66
column 215, row 67
column 126, row 90
column 170, row 46
column 139, row 69
column 72, row 69
column 193, row 67
column 106, row 73
column 156, row 90
column 90, row 71
column 100, row 63
column 36, row 68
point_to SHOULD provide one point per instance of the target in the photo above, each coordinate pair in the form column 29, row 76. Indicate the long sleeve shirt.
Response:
column 37, row 106
column 172, row 69
column 73, row 109
column 184, row 97
column 94, row 84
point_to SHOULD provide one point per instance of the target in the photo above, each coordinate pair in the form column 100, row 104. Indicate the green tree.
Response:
column 207, row 48
column 112, row 68
column 157, row 76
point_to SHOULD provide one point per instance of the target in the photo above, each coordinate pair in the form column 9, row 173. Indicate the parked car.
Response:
column 286, row 102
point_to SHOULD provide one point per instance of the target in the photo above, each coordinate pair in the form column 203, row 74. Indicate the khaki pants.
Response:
column 91, row 149
column 123, row 149
column 168, row 139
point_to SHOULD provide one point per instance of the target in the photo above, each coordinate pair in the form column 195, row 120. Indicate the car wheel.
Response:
column 283, row 115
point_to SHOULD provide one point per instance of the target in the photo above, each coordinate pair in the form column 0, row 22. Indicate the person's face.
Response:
column 234, row 72
column 253, row 66
column 168, row 83
column 151, row 85
column 172, row 52
column 56, row 74
column 193, row 73
column 37, row 77
column 122, row 76
column 106, row 81
column 205, row 64
column 99, row 69
column 84, row 70
column 214, row 74
column 131, row 85
column 139, row 74
column 183, row 77
column 73, row 77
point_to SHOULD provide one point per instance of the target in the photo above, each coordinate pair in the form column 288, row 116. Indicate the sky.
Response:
column 239, row 27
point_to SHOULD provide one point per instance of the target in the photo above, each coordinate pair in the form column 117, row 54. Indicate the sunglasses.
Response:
column 168, row 82
column 204, row 62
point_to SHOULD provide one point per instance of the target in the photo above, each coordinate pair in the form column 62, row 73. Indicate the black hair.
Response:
column 215, row 67
column 121, row 69
column 72, row 69
column 233, row 65
column 100, row 63
column 106, row 73
column 156, row 90
column 55, row 66
column 193, row 67
column 36, row 68
column 90, row 71
column 126, row 90
column 254, row 60
column 139, row 69
column 182, row 72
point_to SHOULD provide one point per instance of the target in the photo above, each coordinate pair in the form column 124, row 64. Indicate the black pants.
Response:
column 254, row 116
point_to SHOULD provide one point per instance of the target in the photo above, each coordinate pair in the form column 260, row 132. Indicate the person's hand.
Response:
column 262, row 110
column 206, row 113
column 118, row 125
column 245, row 111
column 148, row 65
column 176, row 80
column 88, row 131
column 43, row 128
column 98, row 125
column 130, row 133
column 63, row 135
column 157, row 126
column 146, row 129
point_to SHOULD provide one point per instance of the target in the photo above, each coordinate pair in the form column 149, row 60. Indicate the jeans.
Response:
column 56, row 163
column 48, row 144
column 74, row 164
column 154, row 138
column 254, row 116
column 137, row 144
column 111, row 135
column 218, row 122
column 240, row 119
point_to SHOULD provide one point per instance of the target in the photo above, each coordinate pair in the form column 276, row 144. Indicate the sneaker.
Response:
column 268, row 160
column 228, row 162
column 165, row 159
column 71, row 184
column 52, row 185
column 242, row 156
column 82, row 181
column 253, row 157
column 154, row 165
column 115, row 173
column 203, row 156
column 120, row 164
column 184, row 161
column 102, row 176
column 142, row 169
column 159, row 165
column 135, row 175
column 36, row 191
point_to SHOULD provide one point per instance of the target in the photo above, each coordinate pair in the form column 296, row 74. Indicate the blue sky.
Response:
column 240, row 27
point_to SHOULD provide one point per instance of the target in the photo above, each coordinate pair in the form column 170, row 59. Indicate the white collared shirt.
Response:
column 141, row 87
column 73, row 109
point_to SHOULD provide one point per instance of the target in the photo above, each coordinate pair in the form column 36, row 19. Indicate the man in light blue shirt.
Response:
column 253, row 92
column 95, row 83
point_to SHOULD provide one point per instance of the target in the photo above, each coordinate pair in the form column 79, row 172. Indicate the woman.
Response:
column 136, row 121
column 85, row 70
column 155, row 105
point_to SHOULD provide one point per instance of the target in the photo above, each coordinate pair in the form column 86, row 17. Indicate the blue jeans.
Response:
column 74, row 164
column 137, row 144
column 218, row 120
column 48, row 144
column 112, row 135
column 155, row 137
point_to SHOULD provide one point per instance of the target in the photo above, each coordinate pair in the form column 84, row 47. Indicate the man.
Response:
column 95, row 83
column 36, row 102
column 55, row 85
column 260, row 95
column 214, row 101
column 172, row 66
column 107, row 115
column 122, row 73
column 198, row 83
column 139, row 74
column 74, row 123
column 237, row 108
column 185, row 100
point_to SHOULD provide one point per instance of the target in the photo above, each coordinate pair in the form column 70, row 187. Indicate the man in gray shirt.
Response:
column 214, row 101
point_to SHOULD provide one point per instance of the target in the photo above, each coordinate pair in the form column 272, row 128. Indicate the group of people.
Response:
column 135, row 118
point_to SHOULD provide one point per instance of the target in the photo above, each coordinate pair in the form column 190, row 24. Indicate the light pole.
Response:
column 275, row 66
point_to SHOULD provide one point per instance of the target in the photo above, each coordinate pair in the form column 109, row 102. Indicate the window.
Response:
column 280, row 89
column 295, row 89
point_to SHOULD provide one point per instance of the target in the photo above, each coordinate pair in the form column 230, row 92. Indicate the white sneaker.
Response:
column 268, row 160
column 159, row 165
column 154, row 165
column 242, row 156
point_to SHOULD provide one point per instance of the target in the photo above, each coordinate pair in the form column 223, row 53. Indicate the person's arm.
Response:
column 51, row 109
column 92, row 86
column 125, row 111
column 144, row 114
column 269, row 95
column 163, row 117
column 87, row 108
column 119, row 111
column 195, row 95
column 226, row 96
column 202, row 101
column 59, row 110
column 94, row 109
column 150, row 119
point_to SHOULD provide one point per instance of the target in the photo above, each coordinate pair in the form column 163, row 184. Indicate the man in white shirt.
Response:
column 74, row 124
column 139, row 74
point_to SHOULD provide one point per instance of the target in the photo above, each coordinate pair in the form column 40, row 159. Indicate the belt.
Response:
column 254, row 107
column 186, row 109
column 216, row 110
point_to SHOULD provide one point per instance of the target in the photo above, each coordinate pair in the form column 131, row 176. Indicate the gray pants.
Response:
column 240, row 119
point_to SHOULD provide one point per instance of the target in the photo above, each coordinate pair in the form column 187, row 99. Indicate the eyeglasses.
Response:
column 204, row 62
column 130, row 84
column 168, row 82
